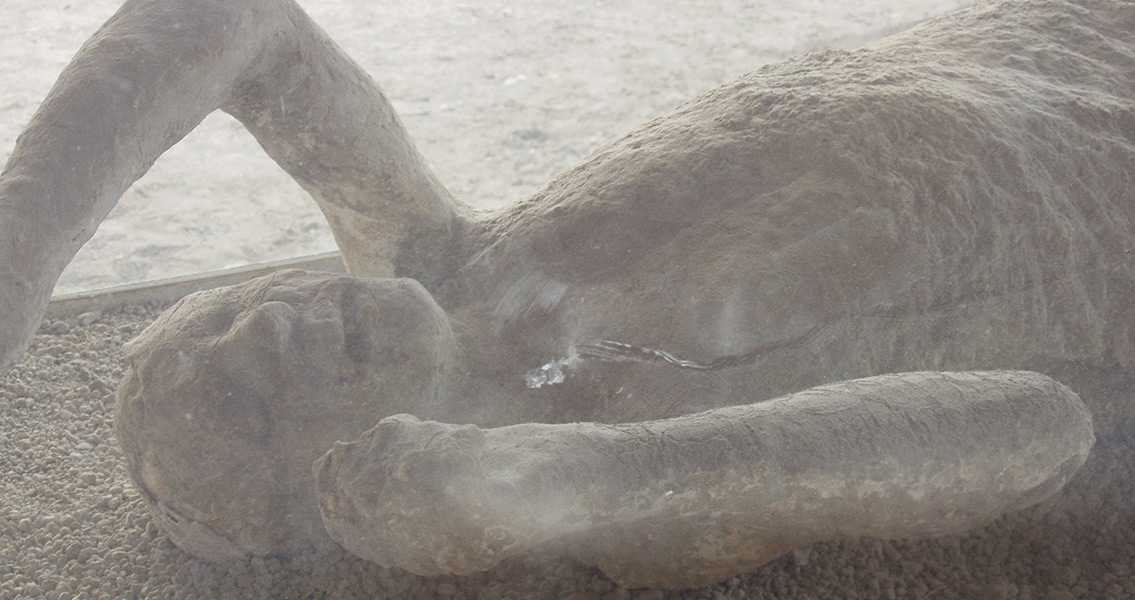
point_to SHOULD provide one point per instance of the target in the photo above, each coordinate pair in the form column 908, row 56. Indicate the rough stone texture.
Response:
column 685, row 502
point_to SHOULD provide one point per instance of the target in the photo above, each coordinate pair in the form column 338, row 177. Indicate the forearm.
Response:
column 714, row 493
column 140, row 84
column 148, row 76
column 145, row 79
column 905, row 456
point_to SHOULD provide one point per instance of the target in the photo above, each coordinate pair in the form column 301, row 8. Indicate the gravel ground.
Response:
column 72, row 525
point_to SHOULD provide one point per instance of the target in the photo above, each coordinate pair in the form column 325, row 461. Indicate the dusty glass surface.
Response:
column 856, row 324
column 499, row 97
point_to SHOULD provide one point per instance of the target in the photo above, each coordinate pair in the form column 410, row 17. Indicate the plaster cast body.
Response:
column 956, row 197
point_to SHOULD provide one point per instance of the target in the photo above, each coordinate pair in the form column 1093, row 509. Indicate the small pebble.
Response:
column 87, row 318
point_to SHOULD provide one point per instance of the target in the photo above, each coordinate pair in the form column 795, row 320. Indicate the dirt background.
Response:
column 499, row 94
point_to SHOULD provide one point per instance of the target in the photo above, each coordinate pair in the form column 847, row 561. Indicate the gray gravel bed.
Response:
column 72, row 525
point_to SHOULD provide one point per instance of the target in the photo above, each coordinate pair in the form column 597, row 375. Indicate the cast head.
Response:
column 232, row 394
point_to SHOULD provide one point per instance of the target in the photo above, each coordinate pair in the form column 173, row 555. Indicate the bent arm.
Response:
column 141, row 83
column 147, row 77
column 687, row 501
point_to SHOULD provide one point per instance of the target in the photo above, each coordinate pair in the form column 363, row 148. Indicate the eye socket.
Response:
column 360, row 313
column 356, row 345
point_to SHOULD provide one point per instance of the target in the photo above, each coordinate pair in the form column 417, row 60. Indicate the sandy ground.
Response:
column 72, row 525
column 499, row 94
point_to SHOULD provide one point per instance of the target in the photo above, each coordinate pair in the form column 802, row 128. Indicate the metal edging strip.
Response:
column 168, row 290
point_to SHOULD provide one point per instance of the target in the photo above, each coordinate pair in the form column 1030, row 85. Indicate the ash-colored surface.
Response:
column 72, row 526
column 498, row 95
column 228, row 465
column 688, row 502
